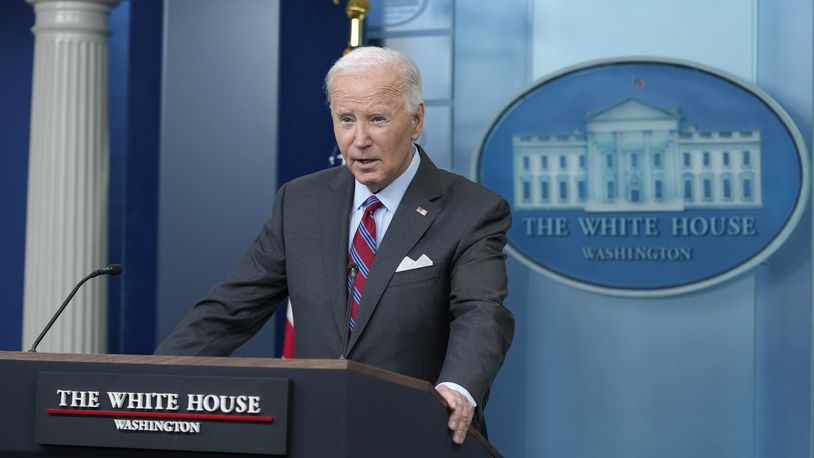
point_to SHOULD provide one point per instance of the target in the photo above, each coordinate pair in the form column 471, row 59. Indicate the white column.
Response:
column 66, row 228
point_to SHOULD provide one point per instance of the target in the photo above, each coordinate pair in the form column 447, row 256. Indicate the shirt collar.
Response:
column 391, row 195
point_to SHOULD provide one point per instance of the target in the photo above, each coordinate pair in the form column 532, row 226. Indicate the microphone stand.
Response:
column 114, row 269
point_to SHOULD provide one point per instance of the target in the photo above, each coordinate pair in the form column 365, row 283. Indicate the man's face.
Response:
column 372, row 128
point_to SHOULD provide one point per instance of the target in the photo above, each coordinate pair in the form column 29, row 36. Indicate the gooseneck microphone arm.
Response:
column 113, row 269
column 352, row 272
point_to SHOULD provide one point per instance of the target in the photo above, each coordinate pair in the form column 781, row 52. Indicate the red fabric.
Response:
column 288, row 335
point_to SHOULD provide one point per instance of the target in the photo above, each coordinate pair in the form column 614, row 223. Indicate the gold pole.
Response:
column 356, row 11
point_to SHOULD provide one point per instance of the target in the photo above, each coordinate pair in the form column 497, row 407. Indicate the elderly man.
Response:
column 415, row 251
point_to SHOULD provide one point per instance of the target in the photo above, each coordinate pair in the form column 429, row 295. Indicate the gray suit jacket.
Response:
column 446, row 322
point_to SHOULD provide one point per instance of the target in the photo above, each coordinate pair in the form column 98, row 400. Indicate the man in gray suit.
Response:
column 430, row 304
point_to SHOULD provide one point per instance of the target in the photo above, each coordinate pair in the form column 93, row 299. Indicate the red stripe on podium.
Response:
column 175, row 416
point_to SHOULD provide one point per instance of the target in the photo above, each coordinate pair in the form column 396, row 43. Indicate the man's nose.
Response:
column 361, row 137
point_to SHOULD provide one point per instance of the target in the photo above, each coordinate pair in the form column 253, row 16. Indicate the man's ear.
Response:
column 418, row 121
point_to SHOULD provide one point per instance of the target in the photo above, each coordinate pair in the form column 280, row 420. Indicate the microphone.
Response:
column 113, row 269
column 353, row 270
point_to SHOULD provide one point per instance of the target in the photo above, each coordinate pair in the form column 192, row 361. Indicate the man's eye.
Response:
column 377, row 119
column 345, row 120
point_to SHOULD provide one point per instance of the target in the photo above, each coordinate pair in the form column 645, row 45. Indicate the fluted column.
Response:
column 66, row 229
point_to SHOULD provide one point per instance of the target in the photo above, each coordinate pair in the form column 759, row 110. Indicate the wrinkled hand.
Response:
column 461, row 412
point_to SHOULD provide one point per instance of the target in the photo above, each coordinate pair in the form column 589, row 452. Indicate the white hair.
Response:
column 369, row 58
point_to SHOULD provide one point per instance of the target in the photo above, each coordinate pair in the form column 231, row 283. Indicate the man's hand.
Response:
column 461, row 412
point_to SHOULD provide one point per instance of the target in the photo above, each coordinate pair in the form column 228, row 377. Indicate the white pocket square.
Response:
column 409, row 264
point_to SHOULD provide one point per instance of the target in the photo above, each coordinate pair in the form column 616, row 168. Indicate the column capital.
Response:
column 88, row 16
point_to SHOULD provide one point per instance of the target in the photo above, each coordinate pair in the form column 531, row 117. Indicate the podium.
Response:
column 70, row 405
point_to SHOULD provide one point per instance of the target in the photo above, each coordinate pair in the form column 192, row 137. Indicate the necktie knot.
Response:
column 372, row 204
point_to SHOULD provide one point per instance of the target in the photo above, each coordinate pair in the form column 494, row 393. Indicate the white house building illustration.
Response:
column 632, row 157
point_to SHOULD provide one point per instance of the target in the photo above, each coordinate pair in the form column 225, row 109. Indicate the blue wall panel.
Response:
column 135, row 99
column 784, row 283
column 312, row 36
column 16, row 64
column 119, row 43
column 633, row 377
column 218, row 161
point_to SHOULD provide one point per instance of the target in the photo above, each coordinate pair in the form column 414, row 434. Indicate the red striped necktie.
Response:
column 361, row 254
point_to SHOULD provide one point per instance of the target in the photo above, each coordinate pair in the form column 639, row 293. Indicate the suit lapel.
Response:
column 406, row 228
column 336, row 208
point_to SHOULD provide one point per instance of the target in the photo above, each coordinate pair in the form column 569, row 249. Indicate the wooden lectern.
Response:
column 70, row 405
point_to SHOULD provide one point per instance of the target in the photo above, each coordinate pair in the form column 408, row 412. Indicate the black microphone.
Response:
column 113, row 269
column 352, row 272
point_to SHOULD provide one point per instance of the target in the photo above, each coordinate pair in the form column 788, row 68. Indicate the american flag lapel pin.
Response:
column 421, row 211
